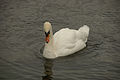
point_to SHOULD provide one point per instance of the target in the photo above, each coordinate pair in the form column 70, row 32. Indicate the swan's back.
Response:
column 64, row 37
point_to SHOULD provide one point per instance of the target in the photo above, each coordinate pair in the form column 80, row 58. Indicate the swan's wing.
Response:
column 65, row 37
column 66, row 41
column 67, row 51
column 69, row 41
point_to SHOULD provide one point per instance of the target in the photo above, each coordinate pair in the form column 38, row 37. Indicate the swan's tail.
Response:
column 85, row 29
column 84, row 32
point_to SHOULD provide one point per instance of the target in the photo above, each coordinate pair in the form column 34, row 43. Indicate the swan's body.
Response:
column 65, row 42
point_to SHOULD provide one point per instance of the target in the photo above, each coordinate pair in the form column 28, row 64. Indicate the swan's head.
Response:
column 47, row 28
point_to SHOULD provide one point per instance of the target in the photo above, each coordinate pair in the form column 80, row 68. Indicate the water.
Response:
column 22, row 39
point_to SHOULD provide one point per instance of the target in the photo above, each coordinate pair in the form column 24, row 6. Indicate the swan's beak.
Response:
column 47, row 37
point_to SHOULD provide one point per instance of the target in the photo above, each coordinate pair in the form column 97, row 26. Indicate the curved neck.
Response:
column 51, row 36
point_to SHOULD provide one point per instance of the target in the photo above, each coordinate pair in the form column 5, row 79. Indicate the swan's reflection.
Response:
column 48, row 69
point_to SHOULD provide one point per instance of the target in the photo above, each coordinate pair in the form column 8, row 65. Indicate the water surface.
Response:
column 22, row 39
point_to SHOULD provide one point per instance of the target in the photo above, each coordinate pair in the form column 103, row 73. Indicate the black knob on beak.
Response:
column 47, row 33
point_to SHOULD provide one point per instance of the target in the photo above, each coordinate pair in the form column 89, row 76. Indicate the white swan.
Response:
column 64, row 42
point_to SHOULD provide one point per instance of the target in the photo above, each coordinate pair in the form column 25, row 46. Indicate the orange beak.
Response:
column 47, row 39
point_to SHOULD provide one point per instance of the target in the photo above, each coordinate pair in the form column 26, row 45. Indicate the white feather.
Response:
column 67, row 41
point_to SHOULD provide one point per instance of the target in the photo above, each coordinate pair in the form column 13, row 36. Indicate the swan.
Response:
column 64, row 42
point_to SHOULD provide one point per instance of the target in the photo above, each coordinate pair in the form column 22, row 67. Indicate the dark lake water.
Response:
column 22, row 39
